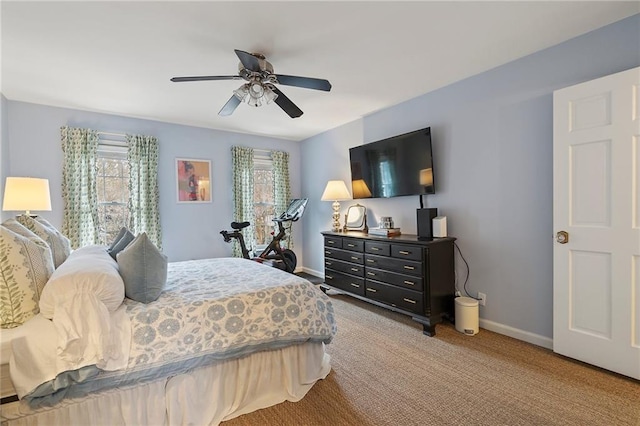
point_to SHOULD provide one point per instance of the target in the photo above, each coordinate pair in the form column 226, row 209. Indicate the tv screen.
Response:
column 393, row 167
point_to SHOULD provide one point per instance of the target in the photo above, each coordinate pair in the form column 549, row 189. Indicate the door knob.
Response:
column 562, row 237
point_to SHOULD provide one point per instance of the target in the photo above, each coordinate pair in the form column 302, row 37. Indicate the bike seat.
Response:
column 239, row 225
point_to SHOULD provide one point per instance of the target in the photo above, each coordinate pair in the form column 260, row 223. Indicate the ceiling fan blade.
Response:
column 207, row 77
column 306, row 82
column 286, row 104
column 230, row 106
column 249, row 61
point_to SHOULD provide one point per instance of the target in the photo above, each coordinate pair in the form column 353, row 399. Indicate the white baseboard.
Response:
column 496, row 327
column 516, row 333
column 318, row 274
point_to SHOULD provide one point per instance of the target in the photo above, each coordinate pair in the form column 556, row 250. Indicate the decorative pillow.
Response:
column 121, row 243
column 26, row 265
column 123, row 230
column 143, row 268
column 58, row 243
column 87, row 270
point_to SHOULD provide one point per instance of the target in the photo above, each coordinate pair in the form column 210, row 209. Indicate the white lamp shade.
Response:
column 23, row 193
column 335, row 190
column 360, row 189
column 426, row 177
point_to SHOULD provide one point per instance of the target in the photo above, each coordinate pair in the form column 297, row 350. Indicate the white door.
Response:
column 596, row 193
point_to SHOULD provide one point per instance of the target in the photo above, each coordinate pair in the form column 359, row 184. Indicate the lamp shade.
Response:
column 24, row 193
column 360, row 189
column 335, row 190
column 426, row 177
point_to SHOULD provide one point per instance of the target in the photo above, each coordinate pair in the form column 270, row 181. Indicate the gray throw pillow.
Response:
column 123, row 230
column 143, row 269
column 119, row 245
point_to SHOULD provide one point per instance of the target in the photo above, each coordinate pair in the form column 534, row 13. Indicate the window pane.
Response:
column 112, row 167
column 264, row 223
column 263, row 204
column 113, row 195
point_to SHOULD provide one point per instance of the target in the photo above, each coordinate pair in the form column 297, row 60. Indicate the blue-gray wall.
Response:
column 492, row 147
column 190, row 231
column 4, row 149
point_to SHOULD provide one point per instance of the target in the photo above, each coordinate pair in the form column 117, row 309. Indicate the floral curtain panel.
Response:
column 80, row 221
column 281, row 187
column 242, row 160
column 144, row 209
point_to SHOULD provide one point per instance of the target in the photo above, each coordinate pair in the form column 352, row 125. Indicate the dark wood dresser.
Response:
column 402, row 273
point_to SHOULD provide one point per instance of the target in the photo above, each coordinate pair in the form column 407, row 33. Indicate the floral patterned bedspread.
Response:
column 210, row 309
column 221, row 306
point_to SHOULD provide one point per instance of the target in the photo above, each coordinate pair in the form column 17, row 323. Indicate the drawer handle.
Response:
column 329, row 277
column 372, row 290
column 373, row 274
column 404, row 252
column 327, row 252
column 327, row 263
column 409, row 300
column 331, row 242
column 350, row 245
column 375, row 248
column 355, row 285
column 411, row 268
column 354, row 258
column 409, row 282
column 371, row 261
column 355, row 269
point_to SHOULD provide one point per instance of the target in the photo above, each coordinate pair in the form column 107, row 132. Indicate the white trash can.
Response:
column 467, row 315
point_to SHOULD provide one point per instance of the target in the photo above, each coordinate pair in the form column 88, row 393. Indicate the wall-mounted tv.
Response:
column 394, row 167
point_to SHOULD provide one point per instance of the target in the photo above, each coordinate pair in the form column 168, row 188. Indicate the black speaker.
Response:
column 425, row 218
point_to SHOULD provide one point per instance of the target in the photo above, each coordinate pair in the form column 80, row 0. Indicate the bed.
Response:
column 226, row 337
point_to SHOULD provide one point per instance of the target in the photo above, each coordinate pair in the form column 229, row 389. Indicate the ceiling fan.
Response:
column 260, row 89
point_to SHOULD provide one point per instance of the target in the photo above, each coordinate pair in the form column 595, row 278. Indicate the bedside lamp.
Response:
column 336, row 190
column 24, row 193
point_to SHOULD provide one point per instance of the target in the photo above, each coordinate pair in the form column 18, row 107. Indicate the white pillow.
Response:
column 87, row 270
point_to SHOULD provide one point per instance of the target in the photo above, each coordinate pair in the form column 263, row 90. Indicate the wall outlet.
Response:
column 483, row 298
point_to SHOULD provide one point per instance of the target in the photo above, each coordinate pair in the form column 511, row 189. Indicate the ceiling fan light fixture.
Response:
column 256, row 90
column 255, row 94
column 242, row 93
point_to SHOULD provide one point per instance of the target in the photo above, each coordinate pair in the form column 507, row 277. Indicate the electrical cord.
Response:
column 466, row 279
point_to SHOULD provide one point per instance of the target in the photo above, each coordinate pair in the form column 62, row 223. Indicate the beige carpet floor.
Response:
column 386, row 372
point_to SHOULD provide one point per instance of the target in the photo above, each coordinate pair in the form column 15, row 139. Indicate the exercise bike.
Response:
column 273, row 254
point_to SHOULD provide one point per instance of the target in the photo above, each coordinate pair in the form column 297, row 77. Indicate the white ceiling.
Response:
column 118, row 57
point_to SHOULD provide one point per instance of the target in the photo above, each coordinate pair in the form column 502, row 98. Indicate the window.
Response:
column 263, row 199
column 112, row 184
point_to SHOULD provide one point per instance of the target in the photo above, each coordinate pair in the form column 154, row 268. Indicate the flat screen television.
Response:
column 393, row 167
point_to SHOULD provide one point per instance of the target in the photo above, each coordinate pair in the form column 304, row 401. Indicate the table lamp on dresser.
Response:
column 336, row 190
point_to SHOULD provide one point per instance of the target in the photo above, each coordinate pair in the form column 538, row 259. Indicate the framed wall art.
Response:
column 193, row 180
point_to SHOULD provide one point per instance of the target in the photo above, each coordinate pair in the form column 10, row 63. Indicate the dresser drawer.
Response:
column 344, row 282
column 394, row 265
column 353, row 244
column 375, row 247
column 402, row 251
column 407, row 300
column 335, row 242
column 346, row 267
column 345, row 255
column 407, row 281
